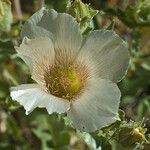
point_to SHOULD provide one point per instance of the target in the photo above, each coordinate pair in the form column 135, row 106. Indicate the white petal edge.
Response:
column 31, row 96
column 108, row 52
column 97, row 107
column 30, row 28
column 38, row 54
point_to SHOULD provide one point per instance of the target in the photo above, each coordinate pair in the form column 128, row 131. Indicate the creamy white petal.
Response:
column 65, row 30
column 31, row 96
column 108, row 52
column 97, row 107
column 60, row 27
column 38, row 50
column 30, row 28
column 38, row 54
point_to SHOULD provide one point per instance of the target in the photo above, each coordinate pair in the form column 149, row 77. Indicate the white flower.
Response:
column 73, row 74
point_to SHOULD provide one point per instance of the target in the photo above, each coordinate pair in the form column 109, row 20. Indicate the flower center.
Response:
column 66, row 82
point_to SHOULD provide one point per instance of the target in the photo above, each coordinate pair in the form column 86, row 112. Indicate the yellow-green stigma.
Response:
column 65, row 82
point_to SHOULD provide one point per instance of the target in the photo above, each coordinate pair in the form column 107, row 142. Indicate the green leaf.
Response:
column 111, row 26
column 146, row 65
column 48, row 131
column 5, row 15
column 121, row 115
column 90, row 141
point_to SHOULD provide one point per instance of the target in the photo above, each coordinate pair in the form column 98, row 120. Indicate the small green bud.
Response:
column 82, row 12
column 15, row 32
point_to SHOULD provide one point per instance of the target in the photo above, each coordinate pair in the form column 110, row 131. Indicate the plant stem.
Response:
column 18, row 9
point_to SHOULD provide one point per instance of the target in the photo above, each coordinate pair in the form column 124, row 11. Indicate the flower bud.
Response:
column 129, row 136
column 82, row 12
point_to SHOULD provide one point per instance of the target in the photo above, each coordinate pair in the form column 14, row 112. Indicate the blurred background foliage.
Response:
column 40, row 131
